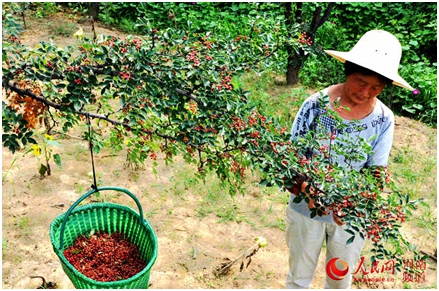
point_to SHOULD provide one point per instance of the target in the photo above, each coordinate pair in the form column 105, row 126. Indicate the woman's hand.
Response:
column 337, row 216
column 312, row 202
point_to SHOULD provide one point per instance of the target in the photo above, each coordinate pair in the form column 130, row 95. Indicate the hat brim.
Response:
column 346, row 56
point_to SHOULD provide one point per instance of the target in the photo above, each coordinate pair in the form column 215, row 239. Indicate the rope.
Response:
column 94, row 185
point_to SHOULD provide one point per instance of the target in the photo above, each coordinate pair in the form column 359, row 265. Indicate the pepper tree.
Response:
column 173, row 91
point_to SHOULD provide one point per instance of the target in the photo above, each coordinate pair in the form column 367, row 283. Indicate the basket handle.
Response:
column 63, row 225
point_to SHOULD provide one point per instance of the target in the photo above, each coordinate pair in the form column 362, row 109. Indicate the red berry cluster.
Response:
column 192, row 57
column 344, row 204
column 49, row 65
column 124, row 46
column 235, row 167
column 111, row 41
column 324, row 150
column 193, row 107
column 104, row 257
column 384, row 221
column 274, row 147
column 266, row 50
column 254, row 117
column 14, row 39
column 303, row 39
column 208, row 44
column 137, row 42
column 205, row 129
column 74, row 69
column 225, row 83
column 255, row 135
column 303, row 161
column 125, row 75
column 238, row 124
column 281, row 130
column 241, row 37
column 83, row 50
column 145, row 102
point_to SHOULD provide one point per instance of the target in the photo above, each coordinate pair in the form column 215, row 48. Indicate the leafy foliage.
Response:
column 413, row 24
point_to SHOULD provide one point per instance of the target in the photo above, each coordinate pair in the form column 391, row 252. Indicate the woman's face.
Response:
column 362, row 89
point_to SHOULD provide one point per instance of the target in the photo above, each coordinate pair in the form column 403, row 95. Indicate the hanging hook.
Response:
column 94, row 185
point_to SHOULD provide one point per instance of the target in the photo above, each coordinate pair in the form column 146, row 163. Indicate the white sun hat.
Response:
column 379, row 51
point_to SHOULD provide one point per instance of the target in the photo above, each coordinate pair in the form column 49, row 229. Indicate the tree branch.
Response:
column 24, row 92
column 190, row 96
column 326, row 14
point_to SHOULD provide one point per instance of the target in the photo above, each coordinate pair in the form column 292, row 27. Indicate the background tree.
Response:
column 94, row 10
column 294, row 15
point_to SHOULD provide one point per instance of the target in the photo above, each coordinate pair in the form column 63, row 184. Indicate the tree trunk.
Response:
column 292, row 74
column 94, row 10
column 296, row 60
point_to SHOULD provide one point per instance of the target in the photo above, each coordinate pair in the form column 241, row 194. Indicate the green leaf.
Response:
column 418, row 106
column 57, row 159
column 297, row 199
column 350, row 231
column 408, row 109
column 372, row 138
column 350, row 240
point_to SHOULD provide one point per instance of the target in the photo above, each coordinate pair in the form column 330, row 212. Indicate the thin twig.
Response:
column 224, row 269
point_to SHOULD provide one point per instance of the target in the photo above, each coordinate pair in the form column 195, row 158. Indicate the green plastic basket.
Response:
column 108, row 217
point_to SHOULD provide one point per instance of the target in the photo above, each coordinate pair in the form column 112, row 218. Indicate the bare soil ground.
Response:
column 192, row 240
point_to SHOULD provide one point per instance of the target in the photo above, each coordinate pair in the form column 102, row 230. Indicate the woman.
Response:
column 369, row 67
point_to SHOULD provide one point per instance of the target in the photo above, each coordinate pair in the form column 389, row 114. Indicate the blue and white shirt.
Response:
column 380, row 123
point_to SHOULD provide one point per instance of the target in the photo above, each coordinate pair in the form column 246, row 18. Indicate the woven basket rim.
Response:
column 60, row 253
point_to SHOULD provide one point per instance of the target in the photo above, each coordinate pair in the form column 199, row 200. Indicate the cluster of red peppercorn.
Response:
column 303, row 39
column 137, row 42
column 14, row 39
column 125, row 75
column 238, row 124
column 254, row 117
column 192, row 57
column 241, row 37
column 111, row 41
column 385, row 220
column 104, row 257
column 235, row 167
column 225, row 83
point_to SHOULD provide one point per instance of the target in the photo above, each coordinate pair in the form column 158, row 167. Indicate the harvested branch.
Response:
column 247, row 254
